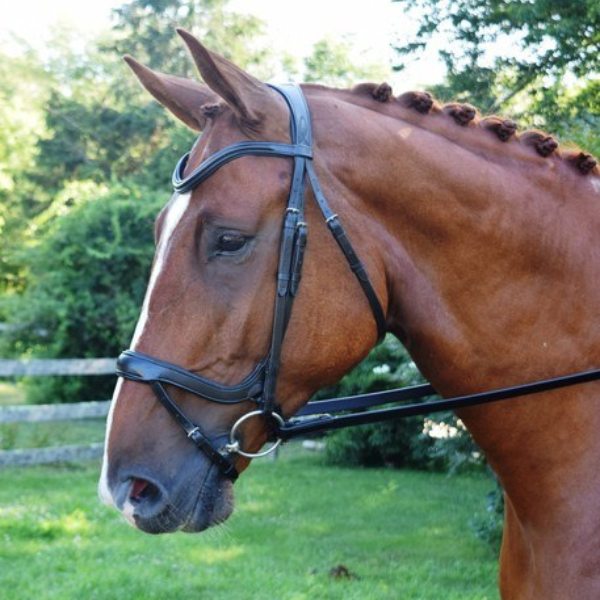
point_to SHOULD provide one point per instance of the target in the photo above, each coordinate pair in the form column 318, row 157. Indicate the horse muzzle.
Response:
column 197, row 497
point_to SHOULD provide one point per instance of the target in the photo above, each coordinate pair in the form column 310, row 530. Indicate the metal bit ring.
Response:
column 233, row 447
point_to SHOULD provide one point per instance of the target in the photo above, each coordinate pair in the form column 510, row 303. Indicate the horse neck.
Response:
column 487, row 263
column 491, row 266
column 491, row 261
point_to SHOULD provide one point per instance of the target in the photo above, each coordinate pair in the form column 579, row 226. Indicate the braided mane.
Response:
column 467, row 116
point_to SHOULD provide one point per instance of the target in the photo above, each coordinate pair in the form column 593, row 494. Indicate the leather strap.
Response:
column 260, row 385
column 183, row 184
column 146, row 369
column 356, row 265
column 194, row 433
column 328, row 422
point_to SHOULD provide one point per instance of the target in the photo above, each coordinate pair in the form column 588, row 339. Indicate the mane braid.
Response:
column 467, row 116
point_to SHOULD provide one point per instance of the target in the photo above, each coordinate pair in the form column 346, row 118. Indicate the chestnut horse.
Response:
column 482, row 246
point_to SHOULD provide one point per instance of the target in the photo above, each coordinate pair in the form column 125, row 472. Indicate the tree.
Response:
column 536, row 37
column 146, row 29
column 79, row 116
column 24, row 90
column 331, row 63
column 517, row 54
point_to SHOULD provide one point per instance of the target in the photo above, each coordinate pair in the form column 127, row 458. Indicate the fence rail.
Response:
column 57, row 366
column 54, row 412
column 40, row 456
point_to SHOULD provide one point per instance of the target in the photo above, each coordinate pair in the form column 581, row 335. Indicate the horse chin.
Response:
column 213, row 506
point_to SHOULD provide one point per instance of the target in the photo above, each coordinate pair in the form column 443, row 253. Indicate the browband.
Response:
column 260, row 385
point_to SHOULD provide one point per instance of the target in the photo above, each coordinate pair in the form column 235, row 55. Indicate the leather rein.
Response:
column 260, row 385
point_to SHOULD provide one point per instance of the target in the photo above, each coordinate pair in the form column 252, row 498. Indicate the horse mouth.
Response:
column 214, row 504
column 151, row 508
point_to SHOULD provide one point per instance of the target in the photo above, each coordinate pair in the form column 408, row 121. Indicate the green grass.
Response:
column 37, row 435
column 11, row 393
column 405, row 535
column 52, row 433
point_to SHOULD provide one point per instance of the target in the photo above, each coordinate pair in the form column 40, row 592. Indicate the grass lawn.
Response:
column 402, row 535
column 51, row 433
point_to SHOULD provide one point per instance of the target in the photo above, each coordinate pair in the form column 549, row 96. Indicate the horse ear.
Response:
column 250, row 99
column 182, row 97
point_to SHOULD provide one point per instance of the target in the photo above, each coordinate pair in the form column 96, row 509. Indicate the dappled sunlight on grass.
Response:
column 75, row 523
column 253, row 506
column 23, row 522
column 11, row 394
column 384, row 493
column 213, row 556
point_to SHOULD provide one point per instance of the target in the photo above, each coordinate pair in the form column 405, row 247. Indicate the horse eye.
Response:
column 231, row 242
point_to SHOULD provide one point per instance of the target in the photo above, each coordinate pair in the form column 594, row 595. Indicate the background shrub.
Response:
column 402, row 442
column 87, row 280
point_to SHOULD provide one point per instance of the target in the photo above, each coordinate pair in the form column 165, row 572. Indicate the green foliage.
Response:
column 572, row 112
column 146, row 30
column 23, row 93
column 537, row 36
column 526, row 57
column 489, row 528
column 451, row 447
column 87, row 278
column 403, row 442
column 92, row 141
column 395, row 443
column 330, row 63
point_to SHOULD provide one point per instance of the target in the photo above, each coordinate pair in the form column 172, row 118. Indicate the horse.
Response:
column 479, row 244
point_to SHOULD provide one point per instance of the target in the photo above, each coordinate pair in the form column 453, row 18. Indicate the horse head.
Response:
column 210, row 321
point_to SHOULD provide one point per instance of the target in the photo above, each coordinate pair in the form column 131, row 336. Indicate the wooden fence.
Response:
column 54, row 412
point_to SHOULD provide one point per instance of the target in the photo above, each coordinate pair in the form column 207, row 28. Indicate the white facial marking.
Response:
column 103, row 489
column 172, row 219
column 127, row 512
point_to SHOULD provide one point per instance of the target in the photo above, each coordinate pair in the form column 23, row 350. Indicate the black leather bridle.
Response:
column 259, row 386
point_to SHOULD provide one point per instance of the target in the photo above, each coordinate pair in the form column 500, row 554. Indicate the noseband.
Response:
column 259, row 386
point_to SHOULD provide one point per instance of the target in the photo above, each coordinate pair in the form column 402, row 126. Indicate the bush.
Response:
column 490, row 528
column 437, row 442
column 452, row 448
column 87, row 278
column 395, row 443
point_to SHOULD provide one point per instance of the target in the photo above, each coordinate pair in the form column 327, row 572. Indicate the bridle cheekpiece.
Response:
column 260, row 385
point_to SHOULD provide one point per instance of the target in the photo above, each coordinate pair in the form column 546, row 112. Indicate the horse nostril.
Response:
column 142, row 490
